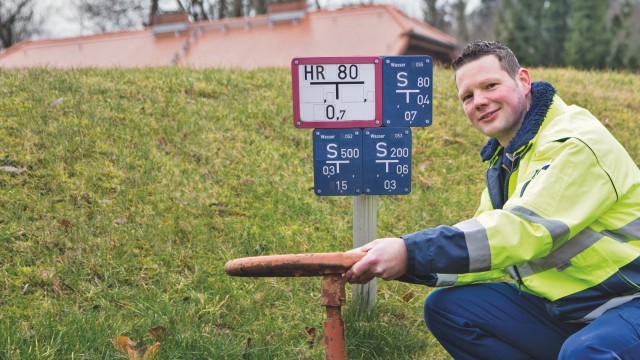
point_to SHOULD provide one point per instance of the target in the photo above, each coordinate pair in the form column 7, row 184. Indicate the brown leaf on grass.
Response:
column 311, row 333
column 55, row 282
column 134, row 352
column 165, row 145
column 122, row 343
column 457, row 140
column 65, row 223
column 57, row 285
column 121, row 220
column 157, row 332
column 408, row 296
column 219, row 206
column 247, row 181
column 223, row 327
column 425, row 164
column 151, row 352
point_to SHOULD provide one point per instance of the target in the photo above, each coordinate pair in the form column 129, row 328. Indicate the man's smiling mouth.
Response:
column 486, row 115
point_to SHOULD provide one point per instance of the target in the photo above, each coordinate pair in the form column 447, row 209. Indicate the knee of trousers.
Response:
column 445, row 299
column 437, row 304
column 583, row 347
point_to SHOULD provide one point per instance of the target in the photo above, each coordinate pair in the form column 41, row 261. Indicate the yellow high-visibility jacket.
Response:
column 560, row 215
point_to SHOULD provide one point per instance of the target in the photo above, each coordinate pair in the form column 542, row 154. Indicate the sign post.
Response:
column 364, row 231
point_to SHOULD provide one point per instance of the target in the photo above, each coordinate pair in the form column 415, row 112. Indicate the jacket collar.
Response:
column 541, row 98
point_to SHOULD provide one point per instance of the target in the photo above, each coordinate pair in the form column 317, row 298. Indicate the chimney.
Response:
column 287, row 11
column 170, row 22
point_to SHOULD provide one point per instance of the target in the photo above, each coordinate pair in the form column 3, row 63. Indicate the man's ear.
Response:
column 524, row 80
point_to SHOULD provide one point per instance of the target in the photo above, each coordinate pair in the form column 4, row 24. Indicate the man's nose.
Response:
column 479, row 100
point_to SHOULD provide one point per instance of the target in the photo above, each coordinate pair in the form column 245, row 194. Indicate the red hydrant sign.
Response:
column 337, row 92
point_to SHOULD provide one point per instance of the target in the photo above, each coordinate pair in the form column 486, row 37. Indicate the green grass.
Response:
column 141, row 184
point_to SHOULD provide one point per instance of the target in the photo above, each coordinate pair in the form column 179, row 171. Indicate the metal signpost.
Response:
column 361, row 109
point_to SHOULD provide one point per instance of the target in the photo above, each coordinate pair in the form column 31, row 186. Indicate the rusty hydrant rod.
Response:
column 333, row 298
column 329, row 265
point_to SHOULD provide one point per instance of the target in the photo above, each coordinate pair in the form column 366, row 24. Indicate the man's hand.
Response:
column 386, row 258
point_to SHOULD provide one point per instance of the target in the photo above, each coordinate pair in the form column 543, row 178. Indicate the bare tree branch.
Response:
column 17, row 21
column 111, row 15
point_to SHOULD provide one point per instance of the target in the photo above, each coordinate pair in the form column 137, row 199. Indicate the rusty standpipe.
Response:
column 329, row 265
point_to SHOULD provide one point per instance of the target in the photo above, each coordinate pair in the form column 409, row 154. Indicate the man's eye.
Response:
column 492, row 85
column 466, row 97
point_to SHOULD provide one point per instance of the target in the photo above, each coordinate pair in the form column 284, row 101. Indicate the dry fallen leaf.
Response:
column 408, row 296
column 157, row 332
column 247, row 181
column 57, row 285
column 311, row 334
column 151, row 352
column 65, row 223
column 425, row 164
column 457, row 140
column 55, row 282
column 121, row 343
column 133, row 353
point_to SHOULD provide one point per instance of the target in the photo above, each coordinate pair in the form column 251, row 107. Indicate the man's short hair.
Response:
column 479, row 48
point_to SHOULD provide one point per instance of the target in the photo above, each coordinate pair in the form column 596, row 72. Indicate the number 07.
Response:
column 410, row 115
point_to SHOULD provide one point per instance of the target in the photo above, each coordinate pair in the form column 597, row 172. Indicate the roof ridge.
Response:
column 398, row 16
column 207, row 43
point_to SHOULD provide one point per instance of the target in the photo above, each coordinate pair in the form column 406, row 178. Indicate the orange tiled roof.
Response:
column 242, row 42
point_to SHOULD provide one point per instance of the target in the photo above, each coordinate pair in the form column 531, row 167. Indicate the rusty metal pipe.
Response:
column 333, row 298
column 333, row 330
column 329, row 265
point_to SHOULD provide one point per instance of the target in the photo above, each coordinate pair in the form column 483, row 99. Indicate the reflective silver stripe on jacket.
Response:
column 561, row 257
column 629, row 232
column 475, row 236
column 446, row 279
column 606, row 306
column 558, row 230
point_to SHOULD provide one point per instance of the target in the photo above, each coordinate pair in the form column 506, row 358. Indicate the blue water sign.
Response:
column 386, row 161
column 407, row 91
column 337, row 162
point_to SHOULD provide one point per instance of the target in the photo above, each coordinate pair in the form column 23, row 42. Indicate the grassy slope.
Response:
column 141, row 184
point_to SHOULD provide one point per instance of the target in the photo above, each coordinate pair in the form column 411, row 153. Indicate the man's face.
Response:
column 493, row 101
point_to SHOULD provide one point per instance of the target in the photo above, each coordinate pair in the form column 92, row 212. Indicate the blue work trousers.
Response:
column 497, row 321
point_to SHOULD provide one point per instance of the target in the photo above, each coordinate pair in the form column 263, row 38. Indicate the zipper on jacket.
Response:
column 507, row 175
column 518, row 277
